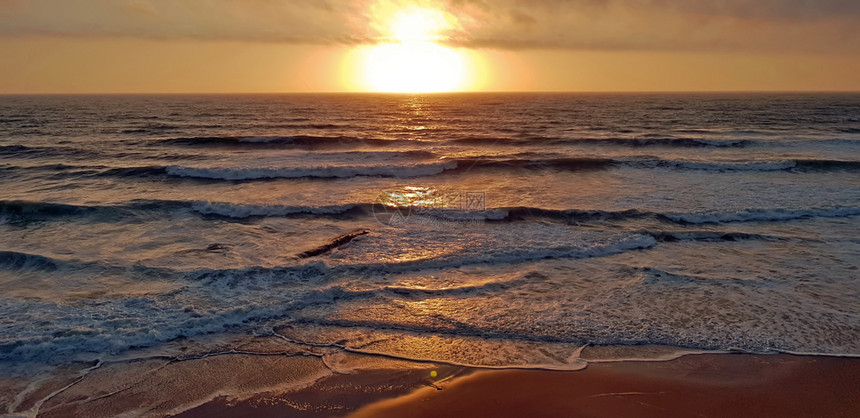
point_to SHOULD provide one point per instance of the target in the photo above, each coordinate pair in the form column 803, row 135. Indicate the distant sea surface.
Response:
column 477, row 229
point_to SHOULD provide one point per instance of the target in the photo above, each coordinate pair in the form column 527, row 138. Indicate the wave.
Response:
column 340, row 293
column 761, row 215
column 20, row 262
column 25, row 211
column 717, row 166
column 312, row 141
column 616, row 245
column 745, row 215
column 27, row 151
column 59, row 168
column 792, row 164
column 523, row 213
column 222, row 299
column 17, row 211
column 296, row 141
column 586, row 249
column 363, row 154
column 424, row 165
column 708, row 236
column 27, row 208
column 12, row 260
column 22, row 212
column 150, row 129
column 241, row 173
column 139, row 172
column 242, row 300
column 568, row 163
column 239, row 211
column 826, row 165
column 573, row 163
column 399, row 171
column 644, row 141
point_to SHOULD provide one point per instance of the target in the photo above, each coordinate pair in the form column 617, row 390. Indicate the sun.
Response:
column 414, row 67
column 411, row 60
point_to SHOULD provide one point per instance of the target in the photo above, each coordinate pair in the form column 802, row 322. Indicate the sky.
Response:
column 223, row 46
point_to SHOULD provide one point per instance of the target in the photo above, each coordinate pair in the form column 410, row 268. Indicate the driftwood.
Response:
column 337, row 242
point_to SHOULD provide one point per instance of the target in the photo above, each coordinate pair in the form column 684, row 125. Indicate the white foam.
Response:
column 440, row 246
column 460, row 351
column 530, row 253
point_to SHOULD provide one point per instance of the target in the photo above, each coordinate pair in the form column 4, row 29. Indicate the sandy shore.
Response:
column 697, row 385
column 702, row 385
column 306, row 386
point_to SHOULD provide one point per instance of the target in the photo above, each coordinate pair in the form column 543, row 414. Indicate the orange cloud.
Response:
column 664, row 25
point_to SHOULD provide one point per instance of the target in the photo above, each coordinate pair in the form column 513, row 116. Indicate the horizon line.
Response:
column 432, row 93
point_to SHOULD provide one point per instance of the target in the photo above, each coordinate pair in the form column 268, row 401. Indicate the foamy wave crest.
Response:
column 12, row 260
column 414, row 170
column 319, row 272
column 434, row 247
column 615, row 245
column 722, row 166
column 747, row 215
column 237, row 210
column 762, row 215
column 69, row 270
column 778, row 165
column 422, row 167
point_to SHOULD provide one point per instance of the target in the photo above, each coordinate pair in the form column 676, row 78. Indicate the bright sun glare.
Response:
column 413, row 62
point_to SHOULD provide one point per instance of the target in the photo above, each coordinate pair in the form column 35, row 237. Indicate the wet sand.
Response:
column 295, row 384
column 697, row 385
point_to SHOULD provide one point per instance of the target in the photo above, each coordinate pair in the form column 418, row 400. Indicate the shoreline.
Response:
column 295, row 383
column 696, row 383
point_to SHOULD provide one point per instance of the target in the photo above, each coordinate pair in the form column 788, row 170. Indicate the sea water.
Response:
column 483, row 229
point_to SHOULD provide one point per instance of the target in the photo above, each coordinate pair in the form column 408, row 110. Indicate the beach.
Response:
column 301, row 254
column 705, row 385
column 448, row 208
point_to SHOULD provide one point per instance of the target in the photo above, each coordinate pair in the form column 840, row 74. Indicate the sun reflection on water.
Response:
column 413, row 197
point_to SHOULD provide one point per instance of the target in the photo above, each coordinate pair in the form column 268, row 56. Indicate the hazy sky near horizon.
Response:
column 77, row 46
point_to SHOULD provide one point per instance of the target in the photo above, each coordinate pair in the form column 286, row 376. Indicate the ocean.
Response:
column 493, row 230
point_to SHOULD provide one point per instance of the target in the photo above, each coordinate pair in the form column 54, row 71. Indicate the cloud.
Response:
column 772, row 25
column 298, row 21
column 755, row 25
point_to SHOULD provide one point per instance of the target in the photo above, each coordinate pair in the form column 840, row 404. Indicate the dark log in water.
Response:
column 337, row 242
